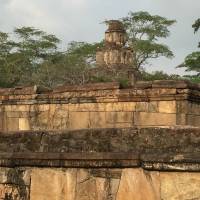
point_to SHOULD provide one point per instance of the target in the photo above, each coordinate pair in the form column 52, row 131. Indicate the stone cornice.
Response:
column 102, row 92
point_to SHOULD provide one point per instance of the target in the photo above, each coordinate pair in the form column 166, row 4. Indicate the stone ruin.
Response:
column 115, row 59
column 100, row 141
column 115, row 52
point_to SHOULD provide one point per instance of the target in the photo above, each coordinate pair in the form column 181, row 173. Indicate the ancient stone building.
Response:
column 100, row 141
column 115, row 52
column 114, row 60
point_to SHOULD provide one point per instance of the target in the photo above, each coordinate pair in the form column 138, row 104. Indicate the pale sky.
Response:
column 80, row 20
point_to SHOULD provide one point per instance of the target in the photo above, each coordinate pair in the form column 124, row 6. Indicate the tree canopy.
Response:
column 144, row 31
column 20, row 59
column 192, row 61
column 31, row 56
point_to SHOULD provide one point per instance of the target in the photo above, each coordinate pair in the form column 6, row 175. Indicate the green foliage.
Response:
column 124, row 83
column 35, row 44
column 196, row 25
column 70, row 67
column 21, row 59
column 31, row 56
column 159, row 75
column 192, row 61
column 83, row 53
column 192, row 78
column 144, row 31
column 83, row 49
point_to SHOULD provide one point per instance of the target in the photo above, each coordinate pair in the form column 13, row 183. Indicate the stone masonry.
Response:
column 102, row 105
column 101, row 164
column 114, row 51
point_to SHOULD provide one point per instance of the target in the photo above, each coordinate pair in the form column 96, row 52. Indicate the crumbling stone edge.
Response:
column 153, row 148
column 176, row 162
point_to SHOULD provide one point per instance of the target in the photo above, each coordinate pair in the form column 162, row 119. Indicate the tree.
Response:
column 9, row 75
column 196, row 25
column 159, row 75
column 144, row 31
column 33, row 56
column 21, row 59
column 71, row 67
column 84, row 51
column 192, row 61
column 33, row 47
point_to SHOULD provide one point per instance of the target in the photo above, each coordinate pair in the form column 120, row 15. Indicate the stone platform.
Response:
column 101, row 164
column 100, row 105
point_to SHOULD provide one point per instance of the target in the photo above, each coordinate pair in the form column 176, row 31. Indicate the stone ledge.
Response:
column 188, row 162
column 170, row 149
column 24, row 90
column 87, row 87
column 147, row 140
column 103, row 96
column 179, row 84
column 80, row 160
column 170, row 84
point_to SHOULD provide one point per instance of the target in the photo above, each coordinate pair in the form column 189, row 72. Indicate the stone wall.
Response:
column 103, row 105
column 97, row 184
column 101, row 164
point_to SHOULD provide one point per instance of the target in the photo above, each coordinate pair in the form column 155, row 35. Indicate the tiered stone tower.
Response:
column 115, row 52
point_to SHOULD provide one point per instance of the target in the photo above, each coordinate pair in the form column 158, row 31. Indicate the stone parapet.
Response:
column 101, row 164
column 100, row 105
column 151, row 90
column 163, row 149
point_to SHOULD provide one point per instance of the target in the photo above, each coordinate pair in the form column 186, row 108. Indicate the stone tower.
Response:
column 115, row 52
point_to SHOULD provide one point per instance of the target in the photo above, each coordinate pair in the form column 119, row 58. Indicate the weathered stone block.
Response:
column 193, row 120
column 14, row 183
column 140, row 185
column 43, row 107
column 87, row 189
column 78, row 120
column 9, row 192
column 120, row 125
column 13, row 114
column 119, row 117
column 17, row 108
column 41, row 119
column 181, row 119
column 182, row 107
column 96, row 187
column 167, row 106
column 120, row 106
column 86, row 107
column 180, row 186
column 1, row 121
column 12, row 124
column 154, row 119
column 24, row 124
column 52, row 184
column 15, row 176
column 193, row 108
column 97, row 119
column 9, row 108
column 147, row 106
